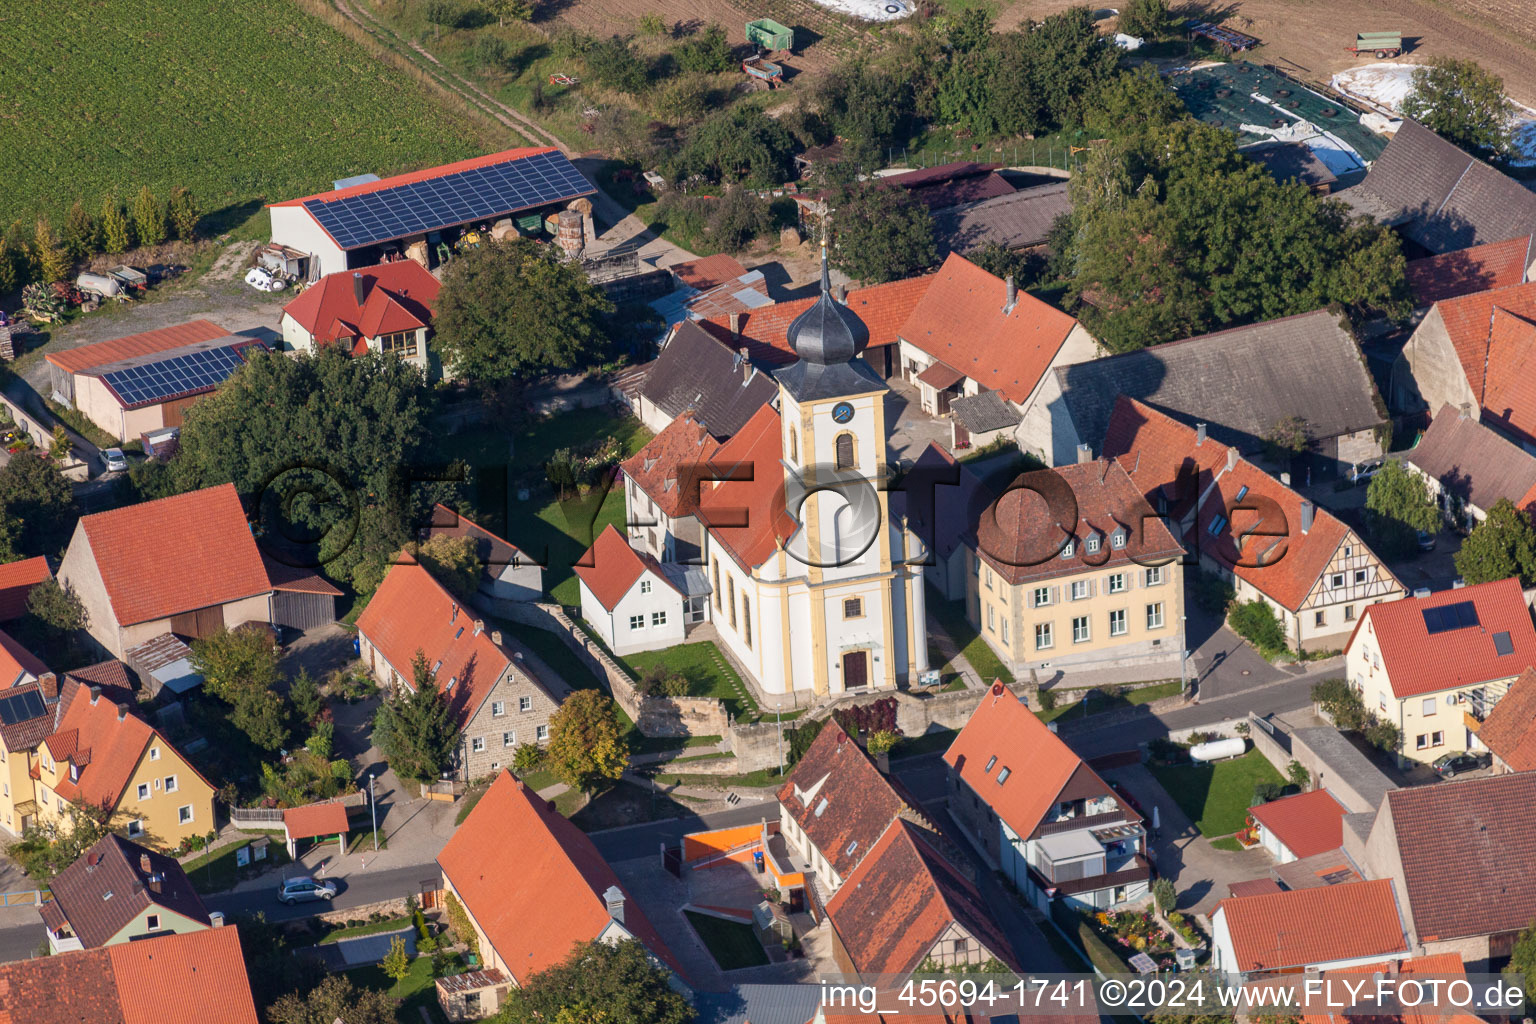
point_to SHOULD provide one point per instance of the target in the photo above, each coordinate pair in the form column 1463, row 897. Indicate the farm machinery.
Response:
column 1381, row 44
column 766, row 37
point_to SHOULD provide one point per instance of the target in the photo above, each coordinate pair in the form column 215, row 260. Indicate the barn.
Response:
column 374, row 220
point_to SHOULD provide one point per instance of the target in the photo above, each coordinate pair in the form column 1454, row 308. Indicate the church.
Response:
column 779, row 535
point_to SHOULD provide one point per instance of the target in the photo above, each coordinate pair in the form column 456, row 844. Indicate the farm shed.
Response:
column 1019, row 220
column 301, row 597
column 163, row 662
column 362, row 224
column 64, row 365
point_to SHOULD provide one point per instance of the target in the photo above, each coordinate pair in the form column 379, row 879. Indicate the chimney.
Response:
column 154, row 883
column 122, row 712
column 496, row 637
column 1466, row 409
column 735, row 326
column 1308, row 510
column 454, row 617
column 746, row 364
column 842, row 294
column 479, row 626
column 48, row 683
column 1231, row 459
column 614, row 898
column 1285, row 479
column 359, row 288
column 883, row 762
column 216, row 918
column 1199, row 434
column 1084, row 453
column 95, row 695
column 1012, row 295
column 144, row 867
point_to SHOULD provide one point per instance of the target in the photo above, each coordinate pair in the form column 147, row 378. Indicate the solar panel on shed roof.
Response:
column 476, row 194
column 21, row 708
column 1450, row 616
column 179, row 375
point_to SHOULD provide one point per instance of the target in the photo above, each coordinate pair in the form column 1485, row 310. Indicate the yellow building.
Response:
column 101, row 756
column 1434, row 665
column 1101, row 589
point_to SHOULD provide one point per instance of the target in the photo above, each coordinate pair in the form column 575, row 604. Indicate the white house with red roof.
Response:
column 812, row 586
column 363, row 220
column 1250, row 529
column 1039, row 814
column 1322, row 928
column 1435, row 665
column 1300, row 826
column 498, row 696
column 627, row 597
column 387, row 308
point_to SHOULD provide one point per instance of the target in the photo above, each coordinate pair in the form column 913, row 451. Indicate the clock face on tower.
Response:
column 842, row 412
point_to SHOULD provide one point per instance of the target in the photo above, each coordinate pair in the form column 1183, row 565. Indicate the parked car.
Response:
column 302, row 887
column 1451, row 765
column 1426, row 541
column 1363, row 471
column 117, row 462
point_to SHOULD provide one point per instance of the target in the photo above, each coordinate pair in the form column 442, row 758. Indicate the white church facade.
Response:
column 790, row 548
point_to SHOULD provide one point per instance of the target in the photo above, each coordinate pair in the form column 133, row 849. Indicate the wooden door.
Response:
column 855, row 669
column 199, row 623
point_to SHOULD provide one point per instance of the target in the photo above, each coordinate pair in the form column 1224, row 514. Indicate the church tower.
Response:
column 864, row 606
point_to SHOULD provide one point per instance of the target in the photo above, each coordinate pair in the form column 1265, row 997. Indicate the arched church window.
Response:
column 844, row 451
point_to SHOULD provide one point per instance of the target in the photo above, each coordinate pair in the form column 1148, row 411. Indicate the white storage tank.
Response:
column 1217, row 750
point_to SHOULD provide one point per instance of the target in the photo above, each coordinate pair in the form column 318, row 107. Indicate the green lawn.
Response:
column 417, row 991
column 394, row 924
column 1101, row 702
column 761, row 777
column 707, row 671
column 1217, row 797
column 217, row 871
column 1228, row 844
column 558, row 535
column 181, row 93
column 951, row 616
column 733, row 944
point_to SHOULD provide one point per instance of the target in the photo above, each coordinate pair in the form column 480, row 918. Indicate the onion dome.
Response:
column 829, row 332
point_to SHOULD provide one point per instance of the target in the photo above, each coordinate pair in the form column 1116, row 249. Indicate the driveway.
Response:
column 913, row 429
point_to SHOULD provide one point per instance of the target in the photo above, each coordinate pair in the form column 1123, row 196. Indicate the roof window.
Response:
column 990, row 762
column 821, row 807
column 1002, row 776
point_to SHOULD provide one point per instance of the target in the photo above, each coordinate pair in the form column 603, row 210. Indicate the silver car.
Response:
column 302, row 887
column 116, row 461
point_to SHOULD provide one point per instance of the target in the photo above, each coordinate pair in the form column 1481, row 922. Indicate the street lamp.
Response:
column 779, row 721
column 373, row 810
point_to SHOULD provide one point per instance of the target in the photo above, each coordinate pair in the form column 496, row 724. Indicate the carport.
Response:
column 319, row 822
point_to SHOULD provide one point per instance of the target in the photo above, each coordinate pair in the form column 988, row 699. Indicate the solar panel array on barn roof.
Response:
column 477, row 193
column 180, row 375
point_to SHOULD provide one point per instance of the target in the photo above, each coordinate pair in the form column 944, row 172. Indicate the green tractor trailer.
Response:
column 767, row 34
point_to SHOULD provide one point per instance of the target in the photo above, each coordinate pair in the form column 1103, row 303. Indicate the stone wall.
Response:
column 389, row 908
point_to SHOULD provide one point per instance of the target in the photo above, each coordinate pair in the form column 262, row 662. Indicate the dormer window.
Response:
column 1067, row 549
column 1091, row 545
column 1117, row 539
column 74, row 772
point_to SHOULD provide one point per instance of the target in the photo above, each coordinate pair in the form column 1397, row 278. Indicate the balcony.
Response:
column 1135, row 869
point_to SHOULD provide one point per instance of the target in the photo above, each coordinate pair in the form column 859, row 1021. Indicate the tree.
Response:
column 881, row 233
column 54, row 844
column 454, row 562
column 517, row 10
column 57, row 606
column 737, row 145
column 35, row 493
column 416, row 730
column 1256, row 622
column 585, row 746
column 58, row 443
column 1164, row 894
column 1522, row 960
column 1147, row 19
column 184, row 213
column 1463, row 102
column 239, row 667
column 706, row 51
column 1298, row 774
column 52, row 260
column 304, row 695
column 738, row 218
column 619, row 977
column 869, row 108
column 1286, row 439
column 1502, row 545
column 1067, row 59
column 614, row 64
column 335, row 998
column 527, row 758
column 116, row 235
column 1025, row 268
column 397, row 962
column 82, row 235
column 1400, row 506
column 148, row 218
column 512, row 309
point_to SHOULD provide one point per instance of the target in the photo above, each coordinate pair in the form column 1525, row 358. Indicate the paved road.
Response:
column 357, row 889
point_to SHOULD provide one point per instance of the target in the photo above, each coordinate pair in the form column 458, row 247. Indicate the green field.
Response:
column 1216, row 796
column 238, row 102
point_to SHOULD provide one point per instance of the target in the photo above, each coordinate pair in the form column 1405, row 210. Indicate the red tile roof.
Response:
column 882, row 307
column 841, row 800
column 1418, row 662
column 1465, row 849
column 315, row 820
column 1306, row 823
column 16, row 581
column 1469, row 322
column 105, row 740
column 16, row 661
column 1438, row 965
column 411, row 177
column 398, row 296
column 1253, row 887
column 1304, row 927
column 69, row 987
column 183, row 979
column 747, row 517
column 708, row 271
column 610, row 567
column 296, row 579
column 160, row 558
column 1478, row 269
column 1261, row 541
column 1020, row 537
column 85, row 357
column 1510, row 728
column 961, row 321
column 902, row 899
column 668, row 468
column 1003, row 735
column 412, row 612
column 534, row 882
column 1509, row 397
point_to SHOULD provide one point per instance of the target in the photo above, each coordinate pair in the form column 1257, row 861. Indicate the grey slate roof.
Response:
column 984, row 411
column 1288, row 161
column 699, row 372
column 1473, row 462
column 759, row 1004
column 1015, row 221
column 1443, row 198
column 1241, row 382
column 809, row 382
